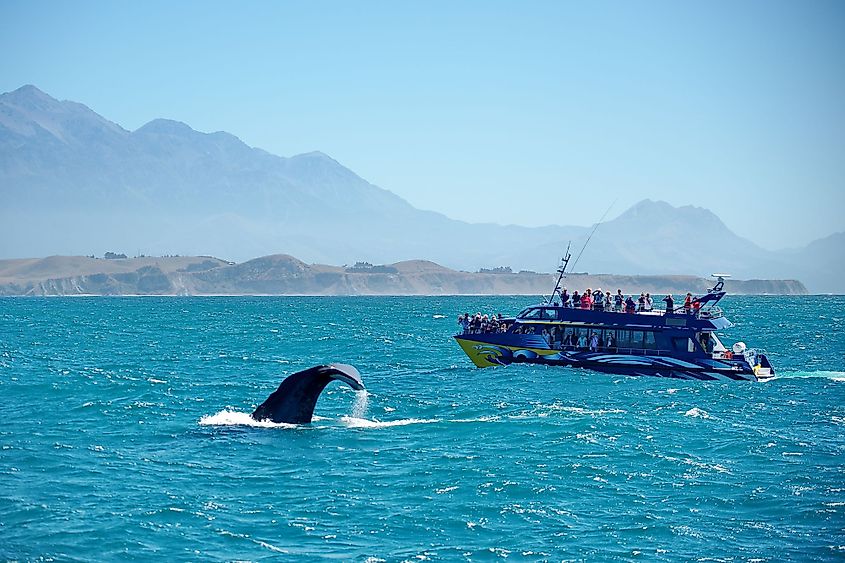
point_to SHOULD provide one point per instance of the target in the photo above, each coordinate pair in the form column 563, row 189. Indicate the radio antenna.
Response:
column 594, row 232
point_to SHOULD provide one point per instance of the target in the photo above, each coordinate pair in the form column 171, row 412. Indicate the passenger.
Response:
column 688, row 304
column 649, row 302
column 630, row 307
column 611, row 342
column 576, row 299
column 594, row 342
column 567, row 339
column 586, row 299
column 608, row 302
column 565, row 299
column 618, row 299
column 696, row 307
column 582, row 341
column 703, row 339
column 463, row 320
column 670, row 304
column 641, row 303
column 598, row 300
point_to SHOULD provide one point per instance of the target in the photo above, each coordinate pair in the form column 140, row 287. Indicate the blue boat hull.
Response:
column 485, row 353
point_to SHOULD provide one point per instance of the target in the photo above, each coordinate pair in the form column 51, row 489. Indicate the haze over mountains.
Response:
column 72, row 182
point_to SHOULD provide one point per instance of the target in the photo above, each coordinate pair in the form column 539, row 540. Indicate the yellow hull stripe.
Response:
column 479, row 352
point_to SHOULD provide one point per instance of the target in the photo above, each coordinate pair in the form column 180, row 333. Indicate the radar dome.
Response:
column 739, row 348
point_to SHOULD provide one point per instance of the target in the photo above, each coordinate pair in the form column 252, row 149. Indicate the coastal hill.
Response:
column 286, row 275
column 73, row 182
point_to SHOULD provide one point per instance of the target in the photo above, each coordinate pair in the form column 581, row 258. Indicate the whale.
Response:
column 294, row 401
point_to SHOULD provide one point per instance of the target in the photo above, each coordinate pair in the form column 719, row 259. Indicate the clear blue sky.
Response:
column 521, row 112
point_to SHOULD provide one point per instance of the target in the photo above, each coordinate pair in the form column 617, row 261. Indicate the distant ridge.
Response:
column 282, row 274
column 73, row 182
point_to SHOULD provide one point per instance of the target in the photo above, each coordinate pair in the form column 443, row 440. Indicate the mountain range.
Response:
column 73, row 182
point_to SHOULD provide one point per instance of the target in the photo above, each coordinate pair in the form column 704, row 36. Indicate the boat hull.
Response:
column 487, row 354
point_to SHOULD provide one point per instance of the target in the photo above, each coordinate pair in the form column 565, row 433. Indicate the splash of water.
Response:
column 234, row 418
column 359, row 407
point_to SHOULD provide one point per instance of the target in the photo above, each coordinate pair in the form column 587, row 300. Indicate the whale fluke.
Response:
column 293, row 402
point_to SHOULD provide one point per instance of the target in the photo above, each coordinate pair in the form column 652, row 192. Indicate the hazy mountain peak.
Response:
column 28, row 111
column 28, row 92
column 317, row 157
column 650, row 210
column 163, row 126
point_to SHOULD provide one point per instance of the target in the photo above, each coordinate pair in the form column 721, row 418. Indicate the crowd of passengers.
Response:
column 591, row 300
column 482, row 324
column 599, row 301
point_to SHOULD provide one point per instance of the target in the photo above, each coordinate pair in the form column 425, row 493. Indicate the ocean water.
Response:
column 124, row 434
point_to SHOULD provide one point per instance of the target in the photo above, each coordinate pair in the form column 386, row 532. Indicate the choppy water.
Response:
column 124, row 433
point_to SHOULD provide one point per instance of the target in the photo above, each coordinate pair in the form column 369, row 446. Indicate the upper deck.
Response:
column 711, row 318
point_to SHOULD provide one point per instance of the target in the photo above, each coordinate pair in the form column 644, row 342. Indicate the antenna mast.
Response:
column 561, row 272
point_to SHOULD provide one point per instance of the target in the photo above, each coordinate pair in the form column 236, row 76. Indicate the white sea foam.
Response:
column 352, row 422
column 696, row 412
column 234, row 418
column 832, row 375
column 438, row 316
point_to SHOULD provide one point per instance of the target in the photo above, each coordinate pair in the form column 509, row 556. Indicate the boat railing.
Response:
column 712, row 312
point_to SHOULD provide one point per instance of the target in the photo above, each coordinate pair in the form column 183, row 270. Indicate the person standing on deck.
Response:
column 598, row 301
column 586, row 300
column 618, row 300
column 670, row 304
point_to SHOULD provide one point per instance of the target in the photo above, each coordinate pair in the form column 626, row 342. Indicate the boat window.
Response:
column 680, row 344
column 550, row 314
column 623, row 338
column 531, row 314
column 636, row 339
column 649, row 342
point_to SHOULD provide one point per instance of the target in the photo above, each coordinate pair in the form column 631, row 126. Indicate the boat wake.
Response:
column 832, row 375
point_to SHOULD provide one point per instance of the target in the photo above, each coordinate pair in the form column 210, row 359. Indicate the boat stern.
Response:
column 763, row 369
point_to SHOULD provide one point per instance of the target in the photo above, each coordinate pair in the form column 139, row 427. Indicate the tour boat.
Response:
column 679, row 343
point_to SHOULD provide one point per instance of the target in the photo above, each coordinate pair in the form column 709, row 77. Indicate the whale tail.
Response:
column 294, row 401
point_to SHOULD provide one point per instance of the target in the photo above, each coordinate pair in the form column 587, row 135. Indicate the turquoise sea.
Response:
column 124, row 434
